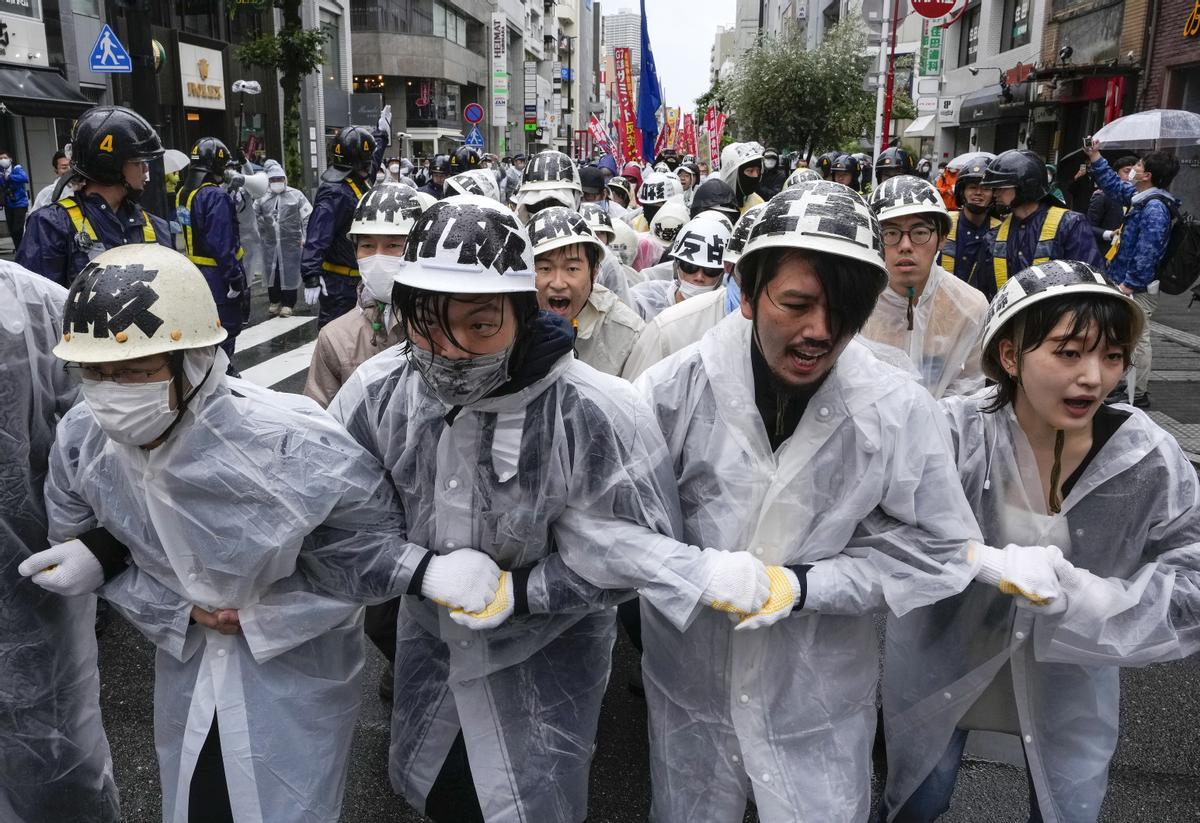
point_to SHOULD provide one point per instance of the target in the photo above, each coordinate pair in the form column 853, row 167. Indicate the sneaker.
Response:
column 1142, row 401
column 273, row 309
column 285, row 311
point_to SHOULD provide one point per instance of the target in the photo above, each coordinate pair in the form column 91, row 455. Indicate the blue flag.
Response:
column 649, row 95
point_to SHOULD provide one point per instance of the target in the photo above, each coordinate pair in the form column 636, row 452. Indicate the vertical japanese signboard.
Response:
column 499, row 77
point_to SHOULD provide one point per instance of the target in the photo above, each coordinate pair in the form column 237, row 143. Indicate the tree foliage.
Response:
column 784, row 95
column 295, row 52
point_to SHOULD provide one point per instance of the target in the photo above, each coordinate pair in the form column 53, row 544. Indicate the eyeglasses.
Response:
column 78, row 370
column 688, row 268
column 918, row 235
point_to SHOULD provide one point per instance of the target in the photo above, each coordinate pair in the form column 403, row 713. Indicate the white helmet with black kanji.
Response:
column 388, row 208
column 476, row 181
column 669, row 220
column 702, row 240
column 134, row 301
column 904, row 195
column 659, row 187
column 558, row 226
column 741, row 233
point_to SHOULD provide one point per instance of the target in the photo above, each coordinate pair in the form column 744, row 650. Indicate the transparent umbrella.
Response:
column 1155, row 129
column 964, row 159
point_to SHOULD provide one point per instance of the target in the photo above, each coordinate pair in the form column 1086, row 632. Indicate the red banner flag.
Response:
column 687, row 139
column 630, row 137
column 601, row 137
column 714, row 138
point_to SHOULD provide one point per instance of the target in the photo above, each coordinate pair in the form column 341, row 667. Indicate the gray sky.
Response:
column 681, row 34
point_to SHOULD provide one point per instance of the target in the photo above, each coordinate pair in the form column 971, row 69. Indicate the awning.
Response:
column 921, row 127
column 40, row 93
column 989, row 105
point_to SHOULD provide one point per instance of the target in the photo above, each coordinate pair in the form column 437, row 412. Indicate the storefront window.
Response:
column 331, row 73
column 1183, row 89
column 1015, row 29
column 432, row 100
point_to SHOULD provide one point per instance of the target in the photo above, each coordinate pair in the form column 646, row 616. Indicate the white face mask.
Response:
column 379, row 177
column 377, row 272
column 770, row 164
column 5, row 163
column 394, row 168
column 133, row 414
column 691, row 289
column 1132, row 176
column 278, row 188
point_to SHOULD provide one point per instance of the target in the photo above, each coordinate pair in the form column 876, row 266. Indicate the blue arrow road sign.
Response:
column 474, row 138
column 108, row 55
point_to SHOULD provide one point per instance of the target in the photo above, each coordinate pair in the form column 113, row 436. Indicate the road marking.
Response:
column 1181, row 337
column 280, row 368
column 260, row 333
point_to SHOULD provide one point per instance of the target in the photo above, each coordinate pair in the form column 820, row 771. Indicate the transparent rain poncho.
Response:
column 943, row 344
column 652, row 297
column 605, row 331
column 282, row 220
column 566, row 479
column 1133, row 516
column 866, row 492
column 54, row 758
column 217, row 516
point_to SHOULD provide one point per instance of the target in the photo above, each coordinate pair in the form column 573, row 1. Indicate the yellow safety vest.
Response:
column 188, row 243
column 334, row 268
column 1041, row 252
column 950, row 248
column 82, row 224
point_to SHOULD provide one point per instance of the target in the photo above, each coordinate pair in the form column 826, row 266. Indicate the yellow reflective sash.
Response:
column 1054, row 216
column 187, row 231
column 334, row 268
column 82, row 224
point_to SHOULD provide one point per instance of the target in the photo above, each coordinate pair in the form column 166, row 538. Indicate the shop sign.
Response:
column 201, row 77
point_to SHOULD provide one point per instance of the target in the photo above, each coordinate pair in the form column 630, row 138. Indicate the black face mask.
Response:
column 534, row 208
column 649, row 210
column 747, row 185
column 976, row 209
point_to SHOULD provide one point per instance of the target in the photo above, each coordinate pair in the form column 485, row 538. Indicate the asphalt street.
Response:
column 1155, row 775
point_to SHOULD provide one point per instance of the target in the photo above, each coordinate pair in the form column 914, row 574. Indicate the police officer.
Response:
column 1034, row 227
column 211, row 235
column 892, row 162
column 439, row 170
column 464, row 158
column 111, row 148
column 329, row 266
column 970, row 225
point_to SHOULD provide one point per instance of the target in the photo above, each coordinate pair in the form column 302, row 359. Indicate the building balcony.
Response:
column 411, row 55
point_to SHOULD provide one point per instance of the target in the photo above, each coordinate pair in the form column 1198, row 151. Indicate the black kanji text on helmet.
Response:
column 490, row 237
column 110, row 299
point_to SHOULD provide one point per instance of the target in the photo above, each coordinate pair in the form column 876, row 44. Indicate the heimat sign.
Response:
column 201, row 77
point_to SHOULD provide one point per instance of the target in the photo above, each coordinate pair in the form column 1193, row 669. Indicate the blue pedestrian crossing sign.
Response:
column 108, row 55
column 474, row 139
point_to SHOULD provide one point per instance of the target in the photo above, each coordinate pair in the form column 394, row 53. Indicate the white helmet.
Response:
column 721, row 217
column 550, row 170
column 468, row 244
column 426, row 199
column 669, row 220
column 736, row 155
column 598, row 220
column 661, row 166
column 659, row 187
column 136, row 300
column 388, row 208
column 905, row 194
column 476, row 181
column 820, row 216
column 624, row 243
column 800, row 176
column 558, row 226
column 741, row 232
column 702, row 241
column 1042, row 282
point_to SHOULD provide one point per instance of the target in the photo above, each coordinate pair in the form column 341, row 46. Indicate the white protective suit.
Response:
column 612, row 276
column 1132, row 516
column 569, row 471
column 944, row 341
column 660, row 271
column 865, row 491
column 605, row 331
column 54, row 758
column 675, row 328
column 282, row 222
column 652, row 297
column 217, row 516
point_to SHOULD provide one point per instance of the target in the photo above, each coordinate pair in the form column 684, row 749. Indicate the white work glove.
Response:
column 1087, row 596
column 1027, row 571
column 785, row 591
column 233, row 294
column 385, row 120
column 464, row 579
column 495, row 613
column 68, row 569
column 311, row 295
column 1108, row 235
column 739, row 583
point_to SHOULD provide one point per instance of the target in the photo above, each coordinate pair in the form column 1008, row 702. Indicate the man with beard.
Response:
column 840, row 480
column 1034, row 227
column 969, row 226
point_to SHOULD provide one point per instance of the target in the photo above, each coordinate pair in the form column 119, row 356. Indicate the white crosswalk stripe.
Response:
column 276, row 350
column 262, row 332
column 278, row 369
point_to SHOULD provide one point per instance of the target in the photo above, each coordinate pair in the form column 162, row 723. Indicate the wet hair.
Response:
column 427, row 311
column 851, row 287
column 591, row 253
column 1162, row 168
column 1118, row 322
